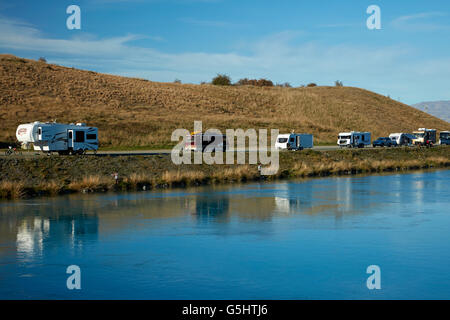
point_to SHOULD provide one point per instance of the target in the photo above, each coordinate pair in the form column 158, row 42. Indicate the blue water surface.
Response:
column 311, row 239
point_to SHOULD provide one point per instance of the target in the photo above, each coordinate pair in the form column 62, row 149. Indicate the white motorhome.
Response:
column 424, row 137
column 402, row 139
column 294, row 141
column 56, row 137
column 354, row 139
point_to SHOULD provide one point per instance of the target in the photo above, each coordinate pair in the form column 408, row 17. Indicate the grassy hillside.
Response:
column 135, row 112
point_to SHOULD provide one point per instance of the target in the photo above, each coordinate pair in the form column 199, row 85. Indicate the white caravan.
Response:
column 294, row 141
column 57, row 137
column 354, row 139
column 402, row 139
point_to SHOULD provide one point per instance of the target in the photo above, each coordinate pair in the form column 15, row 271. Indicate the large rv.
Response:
column 294, row 141
column 425, row 137
column 56, row 137
column 402, row 139
column 354, row 139
column 444, row 137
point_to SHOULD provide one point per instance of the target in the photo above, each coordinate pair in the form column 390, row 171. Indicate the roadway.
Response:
column 146, row 152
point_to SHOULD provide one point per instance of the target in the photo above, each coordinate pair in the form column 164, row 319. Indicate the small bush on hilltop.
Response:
column 254, row 82
column 221, row 80
column 338, row 83
column 284, row 85
column 42, row 59
column 311, row 85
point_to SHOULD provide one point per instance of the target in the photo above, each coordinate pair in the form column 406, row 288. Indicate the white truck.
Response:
column 294, row 141
column 56, row 137
column 354, row 139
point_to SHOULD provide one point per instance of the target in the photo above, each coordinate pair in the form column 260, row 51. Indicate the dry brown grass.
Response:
column 11, row 189
column 134, row 112
column 91, row 183
column 51, row 187
column 182, row 177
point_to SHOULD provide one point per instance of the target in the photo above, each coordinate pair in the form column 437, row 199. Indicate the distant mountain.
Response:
column 439, row 109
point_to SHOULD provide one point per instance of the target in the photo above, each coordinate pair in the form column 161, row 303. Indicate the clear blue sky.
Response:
column 285, row 41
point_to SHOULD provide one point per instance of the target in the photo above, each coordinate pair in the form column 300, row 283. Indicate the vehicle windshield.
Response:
column 282, row 140
column 419, row 134
column 445, row 135
column 344, row 137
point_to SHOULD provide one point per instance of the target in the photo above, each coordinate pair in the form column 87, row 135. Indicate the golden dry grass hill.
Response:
column 134, row 112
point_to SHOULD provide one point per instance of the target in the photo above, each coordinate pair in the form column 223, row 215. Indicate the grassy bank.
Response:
column 26, row 177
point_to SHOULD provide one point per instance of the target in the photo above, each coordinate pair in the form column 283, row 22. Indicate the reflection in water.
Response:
column 211, row 208
column 69, row 219
column 175, row 233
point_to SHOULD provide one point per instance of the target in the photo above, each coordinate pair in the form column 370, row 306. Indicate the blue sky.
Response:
column 285, row 41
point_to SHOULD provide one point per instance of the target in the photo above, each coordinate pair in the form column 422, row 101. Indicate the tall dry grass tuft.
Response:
column 173, row 178
column 51, row 187
column 240, row 174
column 135, row 180
column 91, row 183
column 12, row 190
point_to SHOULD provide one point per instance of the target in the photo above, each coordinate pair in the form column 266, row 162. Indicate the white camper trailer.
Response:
column 294, row 141
column 57, row 137
column 402, row 139
column 354, row 139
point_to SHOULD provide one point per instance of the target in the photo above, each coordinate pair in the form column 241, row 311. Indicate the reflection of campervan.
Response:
column 294, row 141
column 444, row 138
column 402, row 139
column 424, row 137
column 197, row 139
column 57, row 137
column 354, row 139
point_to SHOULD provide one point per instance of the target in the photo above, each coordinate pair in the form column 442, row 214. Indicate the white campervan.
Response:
column 294, row 141
column 57, row 137
column 354, row 139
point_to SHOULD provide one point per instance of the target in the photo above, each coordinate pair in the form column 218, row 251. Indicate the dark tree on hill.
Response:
column 221, row 80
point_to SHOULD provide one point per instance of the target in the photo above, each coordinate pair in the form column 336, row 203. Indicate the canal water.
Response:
column 311, row 239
